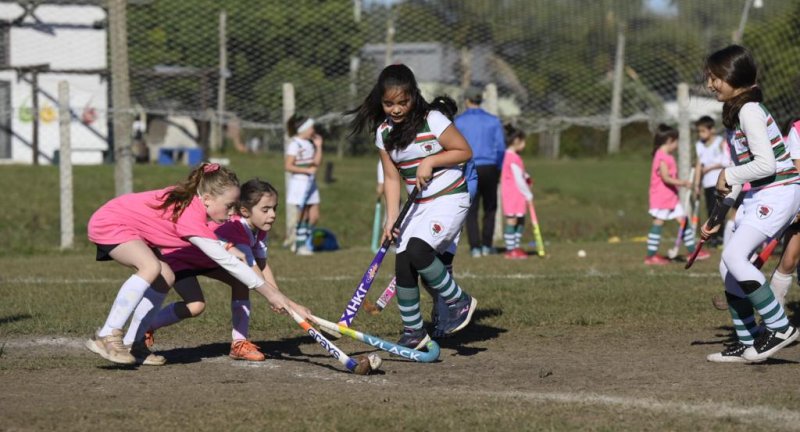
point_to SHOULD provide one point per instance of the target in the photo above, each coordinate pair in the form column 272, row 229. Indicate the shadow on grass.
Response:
column 475, row 332
column 14, row 318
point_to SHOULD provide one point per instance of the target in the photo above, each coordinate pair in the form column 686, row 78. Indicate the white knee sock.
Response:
column 165, row 317
column 780, row 284
column 143, row 315
column 128, row 297
column 240, row 317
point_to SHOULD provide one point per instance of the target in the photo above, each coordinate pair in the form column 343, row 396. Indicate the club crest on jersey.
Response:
column 764, row 211
column 427, row 147
column 436, row 228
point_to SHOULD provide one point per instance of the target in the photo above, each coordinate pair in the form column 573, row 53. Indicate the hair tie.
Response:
column 306, row 125
column 210, row 168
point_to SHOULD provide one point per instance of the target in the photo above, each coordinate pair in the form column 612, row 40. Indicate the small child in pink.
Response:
column 664, row 203
column 247, row 233
column 515, row 192
column 131, row 228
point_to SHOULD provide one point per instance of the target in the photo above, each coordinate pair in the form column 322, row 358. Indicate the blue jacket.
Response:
column 484, row 133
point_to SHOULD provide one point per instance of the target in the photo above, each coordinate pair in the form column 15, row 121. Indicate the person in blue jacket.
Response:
column 484, row 133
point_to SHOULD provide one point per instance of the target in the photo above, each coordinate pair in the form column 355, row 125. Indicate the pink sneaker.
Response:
column 656, row 260
column 519, row 253
column 702, row 255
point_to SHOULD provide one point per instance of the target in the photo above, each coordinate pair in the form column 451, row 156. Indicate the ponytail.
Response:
column 207, row 178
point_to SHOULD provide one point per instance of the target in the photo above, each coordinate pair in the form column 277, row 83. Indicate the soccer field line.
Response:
column 761, row 415
column 590, row 274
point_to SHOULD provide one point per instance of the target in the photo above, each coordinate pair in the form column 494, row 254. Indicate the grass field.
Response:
column 558, row 343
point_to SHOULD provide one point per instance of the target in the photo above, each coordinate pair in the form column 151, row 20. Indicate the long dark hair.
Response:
column 370, row 113
column 445, row 105
column 512, row 133
column 735, row 65
column 663, row 134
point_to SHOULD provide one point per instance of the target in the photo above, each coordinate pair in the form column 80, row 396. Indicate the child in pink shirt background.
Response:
column 515, row 192
column 664, row 203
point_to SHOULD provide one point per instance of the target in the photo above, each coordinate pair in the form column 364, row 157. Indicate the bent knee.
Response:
column 196, row 308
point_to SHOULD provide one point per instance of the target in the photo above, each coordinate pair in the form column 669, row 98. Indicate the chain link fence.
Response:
column 211, row 71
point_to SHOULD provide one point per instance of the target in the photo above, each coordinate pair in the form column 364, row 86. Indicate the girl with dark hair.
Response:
column 762, row 159
column 421, row 148
column 515, row 192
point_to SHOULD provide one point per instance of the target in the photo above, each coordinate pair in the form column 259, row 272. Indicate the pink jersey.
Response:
column 236, row 231
column 515, row 202
column 135, row 217
column 662, row 195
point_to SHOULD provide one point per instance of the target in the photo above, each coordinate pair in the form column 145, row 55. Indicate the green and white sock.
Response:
column 653, row 240
column 688, row 238
column 408, row 303
column 509, row 234
column 744, row 319
column 437, row 277
column 518, row 234
column 769, row 308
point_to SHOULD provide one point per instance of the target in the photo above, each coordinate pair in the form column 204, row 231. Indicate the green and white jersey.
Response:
column 757, row 133
column 446, row 180
column 303, row 151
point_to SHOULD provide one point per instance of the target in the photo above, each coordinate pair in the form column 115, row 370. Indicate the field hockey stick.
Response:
column 419, row 356
column 537, row 233
column 720, row 210
column 357, row 299
column 376, row 226
column 383, row 300
column 766, row 252
column 361, row 365
column 672, row 253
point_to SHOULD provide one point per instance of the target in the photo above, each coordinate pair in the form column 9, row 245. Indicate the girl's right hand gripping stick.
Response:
column 720, row 211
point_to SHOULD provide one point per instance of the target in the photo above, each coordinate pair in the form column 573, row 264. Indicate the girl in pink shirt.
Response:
column 515, row 192
column 247, row 231
column 131, row 228
column 664, row 203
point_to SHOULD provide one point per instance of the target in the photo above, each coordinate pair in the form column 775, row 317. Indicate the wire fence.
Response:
column 555, row 64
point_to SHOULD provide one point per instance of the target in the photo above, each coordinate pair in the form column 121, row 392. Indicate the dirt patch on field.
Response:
column 486, row 378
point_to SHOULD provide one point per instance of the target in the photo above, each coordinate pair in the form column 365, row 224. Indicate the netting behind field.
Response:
column 552, row 61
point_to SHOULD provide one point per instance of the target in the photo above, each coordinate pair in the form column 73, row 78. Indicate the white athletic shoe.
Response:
column 768, row 343
column 731, row 354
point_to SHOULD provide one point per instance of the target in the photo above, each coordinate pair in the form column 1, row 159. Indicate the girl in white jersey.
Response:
column 421, row 148
column 761, row 158
column 303, row 157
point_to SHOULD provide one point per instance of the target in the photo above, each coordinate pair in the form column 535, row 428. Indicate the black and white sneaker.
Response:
column 414, row 339
column 768, row 343
column 731, row 354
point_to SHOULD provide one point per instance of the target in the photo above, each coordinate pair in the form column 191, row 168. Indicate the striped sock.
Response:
column 518, row 234
column 688, row 238
column 653, row 240
column 408, row 303
column 744, row 320
column 769, row 308
column 437, row 277
column 301, row 234
column 509, row 234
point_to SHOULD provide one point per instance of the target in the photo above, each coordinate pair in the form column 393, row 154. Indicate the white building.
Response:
column 64, row 42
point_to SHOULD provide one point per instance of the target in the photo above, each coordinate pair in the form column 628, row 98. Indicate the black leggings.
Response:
column 418, row 255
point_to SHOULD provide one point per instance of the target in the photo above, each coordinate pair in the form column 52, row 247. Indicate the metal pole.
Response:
column 288, row 111
column 120, row 95
column 737, row 37
column 65, row 168
column 615, row 128
column 684, row 133
column 389, row 59
column 35, row 109
column 223, row 71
